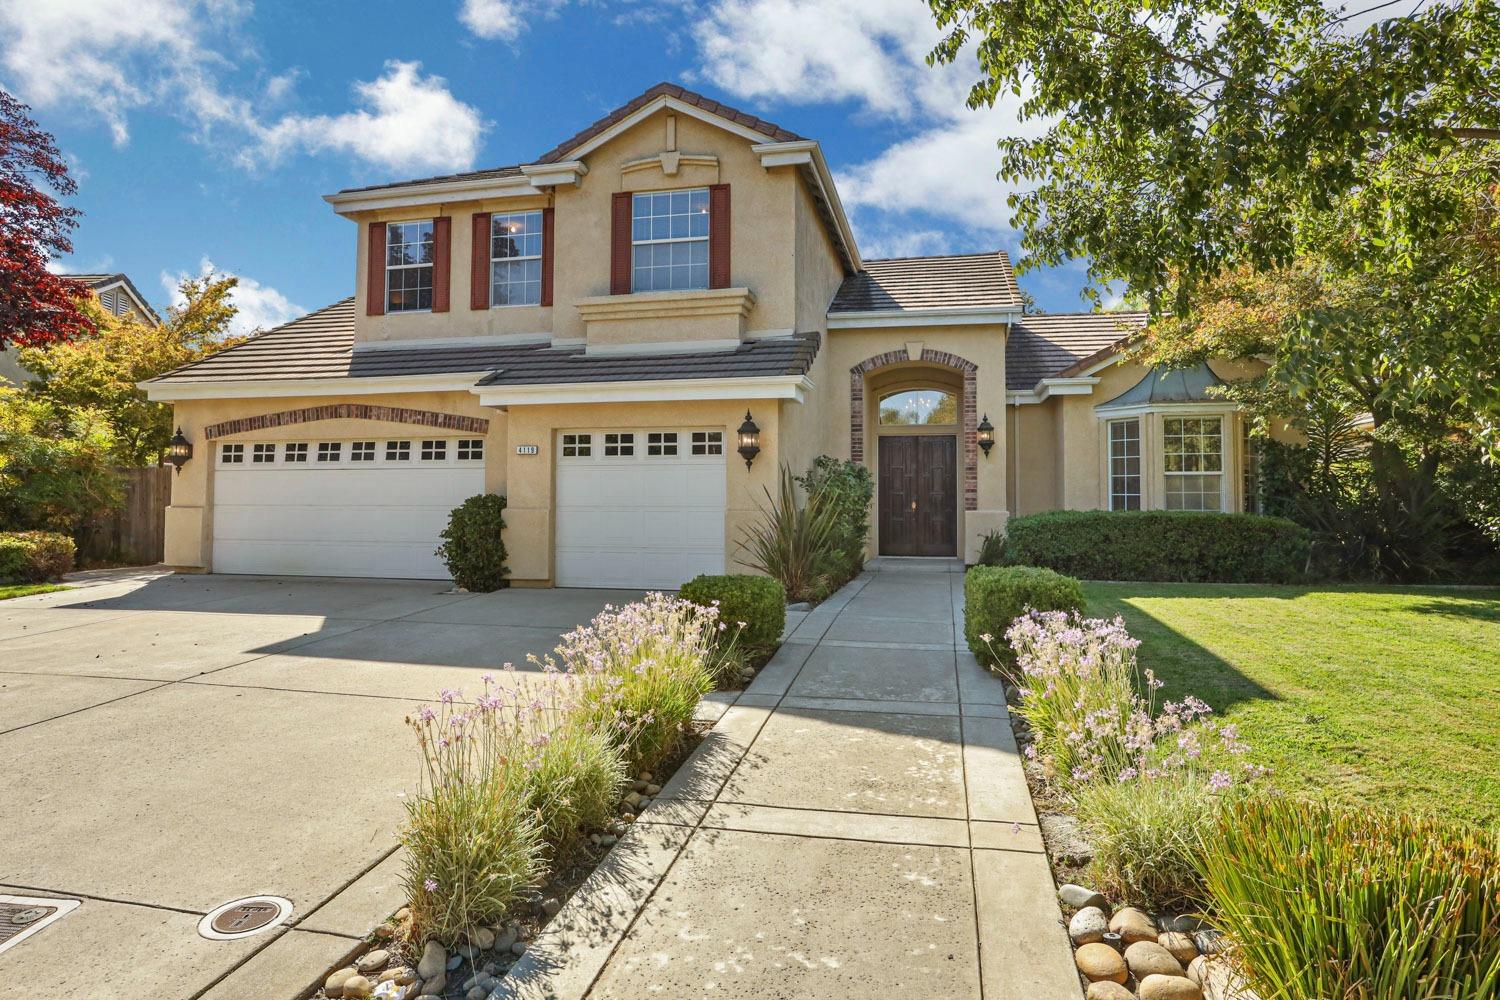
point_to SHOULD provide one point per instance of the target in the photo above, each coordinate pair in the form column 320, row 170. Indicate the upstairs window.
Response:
column 1193, row 450
column 408, row 266
column 669, row 241
column 516, row 259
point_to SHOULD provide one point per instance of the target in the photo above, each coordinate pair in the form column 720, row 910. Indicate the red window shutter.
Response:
column 718, row 236
column 619, row 244
column 442, row 256
column 375, row 271
column 479, row 263
column 546, row 256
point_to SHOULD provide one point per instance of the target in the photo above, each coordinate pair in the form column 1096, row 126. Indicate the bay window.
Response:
column 1125, row 464
column 1193, row 459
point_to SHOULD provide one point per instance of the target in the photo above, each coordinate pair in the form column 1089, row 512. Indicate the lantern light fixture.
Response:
column 179, row 450
column 986, row 435
column 749, row 435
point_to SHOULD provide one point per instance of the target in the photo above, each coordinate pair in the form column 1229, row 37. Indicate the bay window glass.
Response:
column 1193, row 460
column 1125, row 465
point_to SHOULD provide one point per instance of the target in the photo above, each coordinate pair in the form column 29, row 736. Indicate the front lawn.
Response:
column 1370, row 694
column 9, row 590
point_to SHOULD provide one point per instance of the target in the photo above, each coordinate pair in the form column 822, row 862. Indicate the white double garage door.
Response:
column 633, row 508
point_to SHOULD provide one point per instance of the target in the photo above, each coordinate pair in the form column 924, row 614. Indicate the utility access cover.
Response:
column 23, row 916
column 243, row 917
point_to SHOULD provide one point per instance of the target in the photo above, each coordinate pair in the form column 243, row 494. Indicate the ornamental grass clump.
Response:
column 1147, row 837
column 473, row 840
column 1325, row 902
column 1079, row 685
column 640, row 671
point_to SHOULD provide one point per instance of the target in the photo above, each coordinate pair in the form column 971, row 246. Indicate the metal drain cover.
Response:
column 242, row 917
column 23, row 916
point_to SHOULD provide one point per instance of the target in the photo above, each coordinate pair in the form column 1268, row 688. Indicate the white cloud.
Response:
column 260, row 306
column 493, row 19
column 407, row 122
column 110, row 58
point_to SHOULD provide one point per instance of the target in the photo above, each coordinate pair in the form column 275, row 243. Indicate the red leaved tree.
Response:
column 36, row 306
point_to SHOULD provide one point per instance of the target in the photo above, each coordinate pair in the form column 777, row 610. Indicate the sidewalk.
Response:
column 856, row 825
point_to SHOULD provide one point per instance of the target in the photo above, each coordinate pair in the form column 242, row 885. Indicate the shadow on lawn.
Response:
column 1483, row 605
column 1185, row 666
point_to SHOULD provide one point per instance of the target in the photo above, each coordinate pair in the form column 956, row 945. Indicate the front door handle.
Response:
column 913, row 505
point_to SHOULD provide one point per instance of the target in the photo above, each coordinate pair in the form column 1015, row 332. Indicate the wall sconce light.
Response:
column 986, row 435
column 179, row 450
column 749, row 440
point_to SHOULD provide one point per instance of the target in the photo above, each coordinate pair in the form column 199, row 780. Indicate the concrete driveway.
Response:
column 171, row 743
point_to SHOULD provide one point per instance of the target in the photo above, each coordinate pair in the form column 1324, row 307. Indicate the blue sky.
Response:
column 207, row 130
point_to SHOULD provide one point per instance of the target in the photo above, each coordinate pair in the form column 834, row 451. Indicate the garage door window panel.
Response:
column 471, row 450
column 661, row 443
column 434, row 451
column 296, row 451
column 619, row 445
column 577, row 445
column 330, row 451
column 232, row 454
column 708, row 443
column 261, row 454
column 398, row 451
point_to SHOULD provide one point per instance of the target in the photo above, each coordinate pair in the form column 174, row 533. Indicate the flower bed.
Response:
column 526, row 787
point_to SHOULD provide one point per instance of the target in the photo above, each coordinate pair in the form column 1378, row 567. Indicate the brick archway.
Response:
column 969, row 418
column 350, row 411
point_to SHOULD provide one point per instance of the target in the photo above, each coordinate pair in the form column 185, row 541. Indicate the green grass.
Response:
column 9, row 590
column 1369, row 695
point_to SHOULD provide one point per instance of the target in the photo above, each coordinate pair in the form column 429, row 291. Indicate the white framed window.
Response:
column 471, row 449
column 1250, row 452
column 434, row 451
column 661, row 442
column 619, row 445
column 708, row 442
column 1193, row 462
column 1125, row 464
column 408, row 266
column 577, row 445
column 262, row 453
column 398, row 451
column 232, row 454
column 516, row 259
column 330, row 451
column 296, row 451
column 669, row 240
column 362, row 451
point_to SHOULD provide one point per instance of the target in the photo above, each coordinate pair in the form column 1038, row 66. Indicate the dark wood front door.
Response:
column 918, row 495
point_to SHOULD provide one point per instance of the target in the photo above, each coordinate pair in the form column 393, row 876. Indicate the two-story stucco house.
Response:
column 587, row 332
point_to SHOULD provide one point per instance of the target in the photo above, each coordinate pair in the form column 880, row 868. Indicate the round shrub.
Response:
column 1167, row 546
column 472, row 548
column 758, row 601
column 35, row 556
column 995, row 596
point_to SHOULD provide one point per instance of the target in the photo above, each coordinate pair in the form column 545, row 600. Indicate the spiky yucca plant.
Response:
column 1326, row 903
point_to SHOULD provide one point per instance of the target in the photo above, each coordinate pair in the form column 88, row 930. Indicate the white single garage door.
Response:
column 340, row 508
column 640, row 508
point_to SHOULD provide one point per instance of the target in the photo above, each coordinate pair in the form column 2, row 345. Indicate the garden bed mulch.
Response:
column 393, row 967
column 1122, row 952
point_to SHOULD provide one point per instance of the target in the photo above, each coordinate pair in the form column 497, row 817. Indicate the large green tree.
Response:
column 1189, row 137
column 100, row 372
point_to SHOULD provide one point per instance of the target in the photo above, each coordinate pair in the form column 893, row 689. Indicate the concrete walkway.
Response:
column 856, row 825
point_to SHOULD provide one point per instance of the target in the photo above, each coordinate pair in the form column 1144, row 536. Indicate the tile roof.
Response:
column 901, row 283
column 320, row 345
column 1048, row 345
column 772, row 132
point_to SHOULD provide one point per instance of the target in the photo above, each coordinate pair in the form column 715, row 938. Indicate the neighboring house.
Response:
column 116, row 293
column 586, row 332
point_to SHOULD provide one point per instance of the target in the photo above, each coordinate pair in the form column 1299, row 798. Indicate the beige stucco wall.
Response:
column 762, row 223
column 189, row 529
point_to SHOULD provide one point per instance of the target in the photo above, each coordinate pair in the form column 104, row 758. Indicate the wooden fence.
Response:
column 136, row 532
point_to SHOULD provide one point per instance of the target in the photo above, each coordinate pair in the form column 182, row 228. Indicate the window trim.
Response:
column 539, row 256
column 431, row 265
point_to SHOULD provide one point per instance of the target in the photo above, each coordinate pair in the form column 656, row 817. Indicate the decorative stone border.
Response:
column 970, row 409
column 350, row 411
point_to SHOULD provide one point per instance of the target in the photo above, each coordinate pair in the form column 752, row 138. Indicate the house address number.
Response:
column 527, row 449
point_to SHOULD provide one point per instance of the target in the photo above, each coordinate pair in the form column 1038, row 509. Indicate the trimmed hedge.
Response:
column 758, row 601
column 35, row 556
column 1166, row 546
column 472, row 547
column 995, row 596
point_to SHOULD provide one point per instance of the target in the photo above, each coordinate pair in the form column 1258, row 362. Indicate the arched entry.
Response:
column 919, row 410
